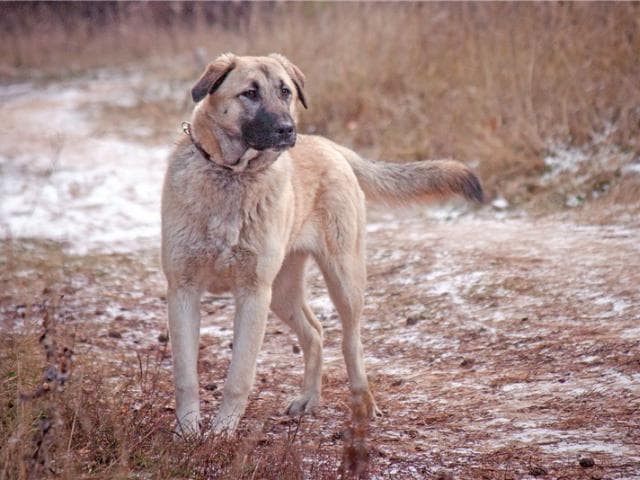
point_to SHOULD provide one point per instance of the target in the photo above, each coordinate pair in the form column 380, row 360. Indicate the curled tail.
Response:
column 402, row 183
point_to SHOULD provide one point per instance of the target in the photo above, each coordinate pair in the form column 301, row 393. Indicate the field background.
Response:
column 519, row 332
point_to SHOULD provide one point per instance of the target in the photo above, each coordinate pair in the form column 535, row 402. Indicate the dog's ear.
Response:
column 295, row 73
column 213, row 76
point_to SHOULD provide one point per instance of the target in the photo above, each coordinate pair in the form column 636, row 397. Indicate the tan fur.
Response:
column 251, row 228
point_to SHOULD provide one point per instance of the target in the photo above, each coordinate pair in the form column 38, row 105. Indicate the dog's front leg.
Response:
column 184, row 332
column 248, row 332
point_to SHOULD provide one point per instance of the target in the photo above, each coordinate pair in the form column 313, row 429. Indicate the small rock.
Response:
column 413, row 319
column 114, row 334
column 163, row 338
column 119, row 318
column 296, row 349
column 211, row 387
column 466, row 362
column 538, row 471
column 443, row 476
column 586, row 462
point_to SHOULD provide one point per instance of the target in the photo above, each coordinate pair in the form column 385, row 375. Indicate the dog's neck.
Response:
column 203, row 137
column 224, row 150
column 218, row 147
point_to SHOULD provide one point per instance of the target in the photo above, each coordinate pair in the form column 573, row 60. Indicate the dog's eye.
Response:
column 251, row 94
column 286, row 93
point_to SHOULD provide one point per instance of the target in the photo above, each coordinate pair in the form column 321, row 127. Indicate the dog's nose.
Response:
column 286, row 133
column 285, row 129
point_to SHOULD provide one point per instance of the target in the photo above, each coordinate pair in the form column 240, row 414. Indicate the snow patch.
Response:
column 500, row 203
column 563, row 160
column 88, row 191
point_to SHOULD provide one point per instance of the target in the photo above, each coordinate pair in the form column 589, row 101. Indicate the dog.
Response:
column 246, row 202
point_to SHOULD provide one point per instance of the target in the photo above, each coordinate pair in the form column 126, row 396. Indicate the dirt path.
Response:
column 525, row 348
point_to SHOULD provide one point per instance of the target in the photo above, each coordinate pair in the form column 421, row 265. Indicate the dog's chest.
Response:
column 223, row 232
column 234, row 245
column 222, row 242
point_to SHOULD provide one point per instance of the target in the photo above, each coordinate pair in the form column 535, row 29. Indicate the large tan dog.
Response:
column 246, row 202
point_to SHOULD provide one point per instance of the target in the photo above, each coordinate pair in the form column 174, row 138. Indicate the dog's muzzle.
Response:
column 269, row 130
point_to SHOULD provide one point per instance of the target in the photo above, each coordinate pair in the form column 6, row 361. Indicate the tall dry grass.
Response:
column 490, row 84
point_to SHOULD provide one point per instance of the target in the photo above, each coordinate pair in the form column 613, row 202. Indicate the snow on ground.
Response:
column 64, row 176
column 585, row 172
column 491, row 346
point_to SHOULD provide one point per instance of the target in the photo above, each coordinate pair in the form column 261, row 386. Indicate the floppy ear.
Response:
column 213, row 76
column 295, row 73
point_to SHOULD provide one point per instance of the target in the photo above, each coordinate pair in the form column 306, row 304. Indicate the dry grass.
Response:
column 74, row 427
column 69, row 412
column 72, row 406
column 490, row 84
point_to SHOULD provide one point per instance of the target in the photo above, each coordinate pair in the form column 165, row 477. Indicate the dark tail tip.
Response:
column 472, row 188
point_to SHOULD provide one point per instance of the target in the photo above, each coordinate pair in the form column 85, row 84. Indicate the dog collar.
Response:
column 186, row 128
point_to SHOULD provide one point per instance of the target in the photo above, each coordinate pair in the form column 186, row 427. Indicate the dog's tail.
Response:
column 402, row 183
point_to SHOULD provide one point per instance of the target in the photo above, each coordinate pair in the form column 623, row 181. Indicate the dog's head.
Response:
column 252, row 100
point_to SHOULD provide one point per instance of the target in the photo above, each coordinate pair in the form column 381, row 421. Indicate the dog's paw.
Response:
column 188, row 429
column 225, row 425
column 364, row 406
column 303, row 404
column 375, row 412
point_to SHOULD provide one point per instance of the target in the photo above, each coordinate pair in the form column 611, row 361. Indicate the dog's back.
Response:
column 398, row 183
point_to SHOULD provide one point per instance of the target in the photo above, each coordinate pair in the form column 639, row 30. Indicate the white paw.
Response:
column 188, row 427
column 303, row 404
column 225, row 424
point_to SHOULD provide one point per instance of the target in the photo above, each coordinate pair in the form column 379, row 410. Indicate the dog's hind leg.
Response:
column 289, row 304
column 345, row 275
column 184, row 332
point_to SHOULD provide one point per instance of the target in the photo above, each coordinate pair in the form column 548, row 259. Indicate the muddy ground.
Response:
column 499, row 345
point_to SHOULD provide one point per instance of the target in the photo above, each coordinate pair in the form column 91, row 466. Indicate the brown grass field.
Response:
column 502, row 342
